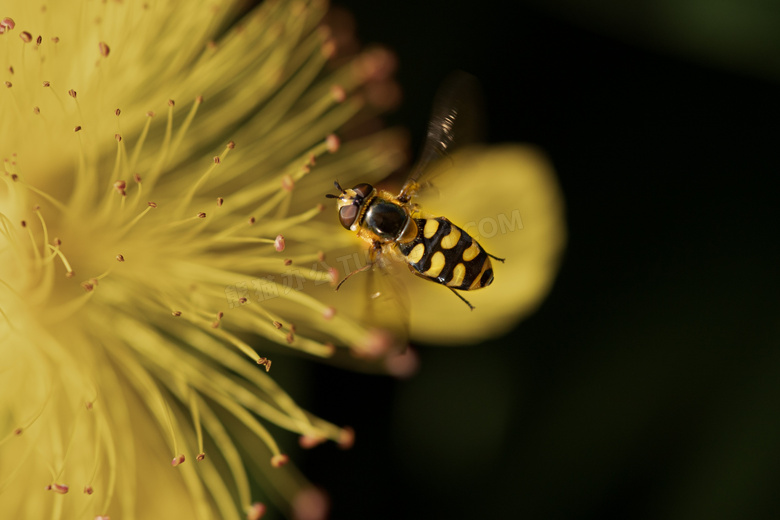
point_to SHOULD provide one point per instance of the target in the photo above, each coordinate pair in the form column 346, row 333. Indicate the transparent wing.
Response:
column 387, row 302
column 455, row 121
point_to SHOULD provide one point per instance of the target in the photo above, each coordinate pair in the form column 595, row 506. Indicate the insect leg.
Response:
column 372, row 253
column 495, row 257
column 461, row 297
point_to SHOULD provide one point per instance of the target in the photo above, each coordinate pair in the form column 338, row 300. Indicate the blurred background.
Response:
column 648, row 383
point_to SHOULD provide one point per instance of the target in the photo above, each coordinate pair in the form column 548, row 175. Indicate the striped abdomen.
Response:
column 444, row 253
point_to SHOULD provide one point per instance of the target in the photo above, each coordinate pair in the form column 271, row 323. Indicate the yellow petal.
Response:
column 507, row 198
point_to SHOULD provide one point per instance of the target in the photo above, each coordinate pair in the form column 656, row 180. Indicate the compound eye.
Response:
column 347, row 215
column 363, row 190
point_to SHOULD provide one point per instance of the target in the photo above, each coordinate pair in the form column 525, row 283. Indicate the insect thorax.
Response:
column 386, row 219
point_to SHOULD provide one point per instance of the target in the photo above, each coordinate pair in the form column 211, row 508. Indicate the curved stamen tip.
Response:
column 177, row 460
column 279, row 460
column 256, row 511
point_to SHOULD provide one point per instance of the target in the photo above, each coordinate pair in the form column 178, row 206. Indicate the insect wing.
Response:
column 455, row 121
column 387, row 302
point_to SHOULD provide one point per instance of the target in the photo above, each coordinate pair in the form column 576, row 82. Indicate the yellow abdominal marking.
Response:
column 451, row 240
column 471, row 252
column 437, row 264
column 457, row 275
column 431, row 226
column 416, row 253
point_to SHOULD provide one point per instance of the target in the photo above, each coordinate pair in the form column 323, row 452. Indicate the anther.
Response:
column 217, row 160
column 26, row 37
column 39, row 40
column 242, row 300
column 8, row 23
column 265, row 362
column 152, row 204
column 137, row 178
column 36, row 110
column 220, row 200
column 251, row 220
column 117, row 111
column 176, row 314
column 178, row 460
column 346, row 438
column 77, row 129
column 256, row 511
column 120, row 186
column 104, row 49
column 279, row 460
column 118, row 138
column 58, row 488
column 277, row 324
column 8, row 84
column 171, row 102
column 88, row 490
column 309, row 441
column 88, row 405
column 201, row 215
column 333, row 143
column 18, row 431
column 329, row 313
column 87, row 286
column 72, row 93
column 279, row 243
column 288, row 262
column 46, row 84
column 338, row 93
column 231, row 145
column 288, row 183
column 290, row 337
column 150, row 113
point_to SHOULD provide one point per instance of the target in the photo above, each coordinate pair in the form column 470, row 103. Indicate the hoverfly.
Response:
column 433, row 247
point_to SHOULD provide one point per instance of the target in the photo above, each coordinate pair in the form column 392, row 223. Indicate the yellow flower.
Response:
column 128, row 219
column 142, row 250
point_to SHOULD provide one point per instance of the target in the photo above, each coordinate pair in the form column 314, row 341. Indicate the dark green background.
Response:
column 647, row 384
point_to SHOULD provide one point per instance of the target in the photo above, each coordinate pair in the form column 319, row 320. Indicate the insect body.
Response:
column 433, row 247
